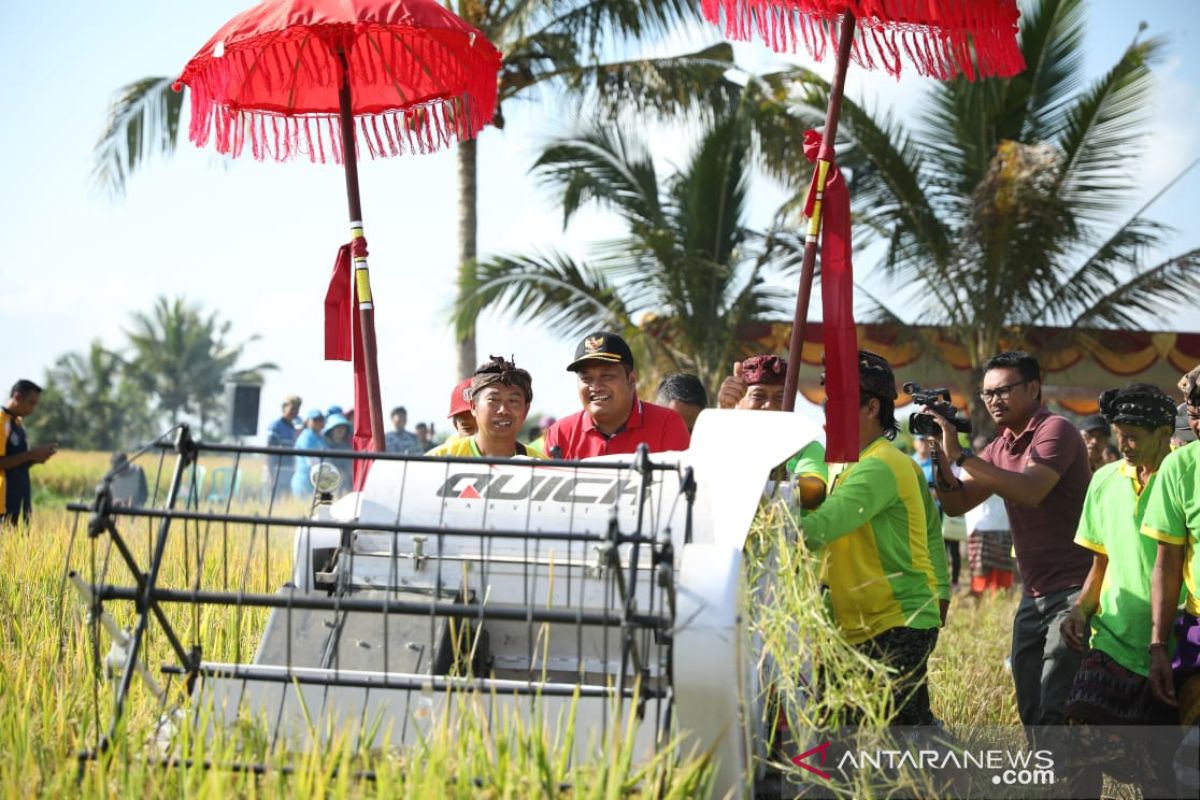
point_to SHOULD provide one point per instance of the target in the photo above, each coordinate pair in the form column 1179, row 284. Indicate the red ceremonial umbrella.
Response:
column 296, row 78
column 941, row 38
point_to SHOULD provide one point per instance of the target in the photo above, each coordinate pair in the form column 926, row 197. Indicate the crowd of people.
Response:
column 329, row 429
column 489, row 409
column 1100, row 521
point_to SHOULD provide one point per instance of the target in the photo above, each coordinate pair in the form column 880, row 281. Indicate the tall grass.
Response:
column 51, row 699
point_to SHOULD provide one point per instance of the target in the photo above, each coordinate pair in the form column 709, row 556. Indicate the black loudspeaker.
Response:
column 241, row 409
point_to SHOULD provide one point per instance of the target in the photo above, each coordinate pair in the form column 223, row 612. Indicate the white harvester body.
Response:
column 526, row 587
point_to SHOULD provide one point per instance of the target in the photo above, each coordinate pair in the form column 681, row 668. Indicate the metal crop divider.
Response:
column 149, row 597
column 146, row 603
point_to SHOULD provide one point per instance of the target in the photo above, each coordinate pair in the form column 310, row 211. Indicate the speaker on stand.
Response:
column 241, row 408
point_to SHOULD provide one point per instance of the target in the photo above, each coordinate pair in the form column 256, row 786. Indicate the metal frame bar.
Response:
column 611, row 466
column 144, row 594
column 373, row 527
column 341, row 603
column 318, row 676
column 149, row 597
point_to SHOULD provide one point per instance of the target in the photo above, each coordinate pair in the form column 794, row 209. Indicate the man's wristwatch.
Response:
column 963, row 456
column 1156, row 646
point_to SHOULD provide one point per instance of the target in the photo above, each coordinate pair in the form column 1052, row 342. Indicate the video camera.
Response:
column 922, row 424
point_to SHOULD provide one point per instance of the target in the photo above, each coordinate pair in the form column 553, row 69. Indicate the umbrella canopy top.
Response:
column 940, row 38
column 419, row 76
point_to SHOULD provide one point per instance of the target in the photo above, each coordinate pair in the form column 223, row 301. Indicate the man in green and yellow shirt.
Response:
column 499, row 401
column 1173, row 522
column 1111, row 686
column 1115, row 599
column 879, row 536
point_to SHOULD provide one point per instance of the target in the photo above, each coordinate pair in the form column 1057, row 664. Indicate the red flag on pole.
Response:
column 343, row 342
column 837, row 306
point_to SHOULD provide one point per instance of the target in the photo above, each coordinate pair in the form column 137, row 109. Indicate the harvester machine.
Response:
column 611, row 592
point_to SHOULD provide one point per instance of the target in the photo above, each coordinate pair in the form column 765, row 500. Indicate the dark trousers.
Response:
column 954, row 556
column 1043, row 665
column 19, row 509
column 907, row 651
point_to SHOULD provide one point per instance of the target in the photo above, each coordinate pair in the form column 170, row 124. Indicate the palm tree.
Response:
column 999, row 206
column 183, row 358
column 91, row 403
column 678, row 285
column 544, row 43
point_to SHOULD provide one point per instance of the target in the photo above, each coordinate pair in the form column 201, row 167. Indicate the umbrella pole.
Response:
column 824, row 159
column 362, row 278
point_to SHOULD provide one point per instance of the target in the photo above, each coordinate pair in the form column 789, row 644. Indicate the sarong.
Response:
column 1105, row 693
column 988, row 551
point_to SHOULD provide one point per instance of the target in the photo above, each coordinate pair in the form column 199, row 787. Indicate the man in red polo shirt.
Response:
column 1039, row 465
column 613, row 420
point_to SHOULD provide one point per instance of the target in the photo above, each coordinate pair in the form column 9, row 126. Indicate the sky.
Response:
column 255, row 241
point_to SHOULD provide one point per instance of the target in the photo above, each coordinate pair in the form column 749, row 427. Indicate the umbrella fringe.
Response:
column 302, row 66
column 940, row 39
column 419, row 129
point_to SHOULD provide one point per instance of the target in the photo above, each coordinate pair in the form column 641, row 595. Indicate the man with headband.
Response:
column 1173, row 521
column 500, row 397
column 879, row 537
column 757, row 385
column 1111, row 686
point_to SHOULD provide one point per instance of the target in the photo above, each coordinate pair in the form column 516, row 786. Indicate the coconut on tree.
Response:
column 1001, row 206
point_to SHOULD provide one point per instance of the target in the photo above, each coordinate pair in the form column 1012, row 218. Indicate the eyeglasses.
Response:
column 1000, row 392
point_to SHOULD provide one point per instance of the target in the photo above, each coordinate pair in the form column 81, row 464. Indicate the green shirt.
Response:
column 465, row 447
column 883, row 554
column 810, row 462
column 1173, row 515
column 1112, row 516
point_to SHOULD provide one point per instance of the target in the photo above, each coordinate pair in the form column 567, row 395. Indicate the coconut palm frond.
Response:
column 143, row 121
column 885, row 169
column 558, row 292
column 605, row 166
column 692, row 83
column 590, row 22
column 1052, row 42
column 1146, row 294
column 1101, row 131
column 1094, row 278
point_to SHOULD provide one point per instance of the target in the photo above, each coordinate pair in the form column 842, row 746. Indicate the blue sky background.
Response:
column 256, row 241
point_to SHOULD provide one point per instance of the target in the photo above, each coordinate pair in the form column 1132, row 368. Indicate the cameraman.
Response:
column 1039, row 465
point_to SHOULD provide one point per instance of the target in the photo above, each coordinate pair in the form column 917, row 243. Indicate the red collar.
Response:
column 632, row 422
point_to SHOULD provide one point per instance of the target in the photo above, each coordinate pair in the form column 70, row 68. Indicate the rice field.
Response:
column 49, row 701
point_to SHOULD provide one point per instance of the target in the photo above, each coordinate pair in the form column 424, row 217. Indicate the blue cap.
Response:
column 314, row 414
column 333, row 420
column 329, row 412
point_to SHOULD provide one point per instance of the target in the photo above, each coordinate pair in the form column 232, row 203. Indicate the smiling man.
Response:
column 1039, row 465
column 613, row 420
column 1110, row 621
column 500, row 396
column 757, row 384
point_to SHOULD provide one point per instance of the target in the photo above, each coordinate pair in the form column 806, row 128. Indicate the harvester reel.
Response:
column 612, row 588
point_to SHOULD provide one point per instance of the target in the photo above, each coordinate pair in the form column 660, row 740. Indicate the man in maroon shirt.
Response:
column 1039, row 465
column 613, row 419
